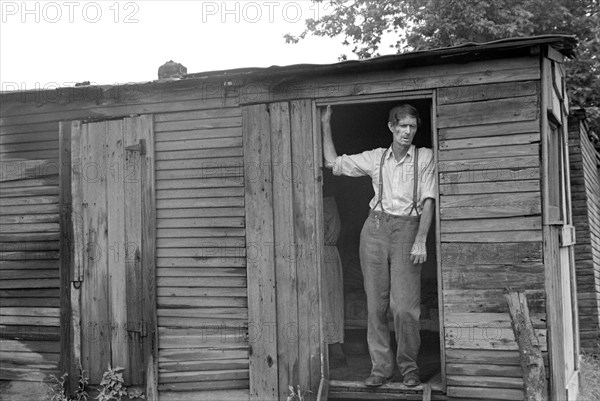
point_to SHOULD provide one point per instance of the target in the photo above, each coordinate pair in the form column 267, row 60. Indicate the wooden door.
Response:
column 559, row 238
column 567, row 277
column 113, row 220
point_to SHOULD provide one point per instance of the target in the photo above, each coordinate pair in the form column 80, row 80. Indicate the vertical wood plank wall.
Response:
column 282, row 228
column 585, row 192
column 29, row 258
column 491, row 236
column 201, row 255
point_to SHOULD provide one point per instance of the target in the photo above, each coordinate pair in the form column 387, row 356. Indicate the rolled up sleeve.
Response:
column 428, row 177
column 357, row 165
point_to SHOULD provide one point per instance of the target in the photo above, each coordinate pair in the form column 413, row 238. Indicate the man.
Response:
column 392, row 241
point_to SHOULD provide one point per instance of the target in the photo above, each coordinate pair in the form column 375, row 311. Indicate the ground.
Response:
column 590, row 378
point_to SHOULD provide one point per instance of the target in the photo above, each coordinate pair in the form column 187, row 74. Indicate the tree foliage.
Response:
column 428, row 24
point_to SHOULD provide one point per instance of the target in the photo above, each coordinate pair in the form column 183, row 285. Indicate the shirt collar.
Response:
column 390, row 153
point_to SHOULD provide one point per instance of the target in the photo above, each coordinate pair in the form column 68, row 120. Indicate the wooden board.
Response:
column 148, row 258
column 229, row 395
column 492, row 186
column 493, row 224
column 485, row 381
column 485, row 357
column 222, row 112
column 78, row 252
column 488, row 112
column 307, row 242
column 524, row 276
column 187, row 193
column 499, row 140
column 132, row 173
column 473, row 93
column 488, row 300
column 235, row 163
column 198, row 154
column 230, row 132
column 405, row 79
column 285, row 263
column 207, row 123
column 83, row 108
column 94, row 309
column 506, row 151
column 490, row 205
column 262, row 299
column 188, row 144
column 499, row 320
column 485, row 392
column 116, row 239
column 486, row 337
column 458, row 254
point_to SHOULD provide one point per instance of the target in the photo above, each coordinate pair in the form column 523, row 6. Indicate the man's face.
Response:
column 404, row 130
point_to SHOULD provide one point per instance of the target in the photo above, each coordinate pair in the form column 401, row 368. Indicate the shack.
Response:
column 175, row 228
column 584, row 158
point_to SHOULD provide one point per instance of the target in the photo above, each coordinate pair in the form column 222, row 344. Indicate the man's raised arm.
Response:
column 328, row 148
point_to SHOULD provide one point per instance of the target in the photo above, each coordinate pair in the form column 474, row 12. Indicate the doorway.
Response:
column 358, row 127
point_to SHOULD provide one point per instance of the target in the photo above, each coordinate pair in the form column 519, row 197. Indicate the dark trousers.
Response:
column 392, row 282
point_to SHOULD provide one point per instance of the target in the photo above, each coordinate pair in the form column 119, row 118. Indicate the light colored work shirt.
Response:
column 398, row 177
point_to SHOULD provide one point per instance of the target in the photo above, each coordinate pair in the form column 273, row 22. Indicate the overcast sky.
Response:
column 58, row 43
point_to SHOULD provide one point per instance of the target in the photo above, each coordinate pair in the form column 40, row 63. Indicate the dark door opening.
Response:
column 356, row 128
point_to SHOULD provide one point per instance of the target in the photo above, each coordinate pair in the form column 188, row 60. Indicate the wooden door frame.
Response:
column 70, row 195
column 557, row 232
column 380, row 98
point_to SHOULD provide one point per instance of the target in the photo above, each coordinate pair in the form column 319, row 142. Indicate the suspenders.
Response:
column 416, row 181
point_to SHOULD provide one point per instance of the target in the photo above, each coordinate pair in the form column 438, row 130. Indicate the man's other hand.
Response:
column 418, row 253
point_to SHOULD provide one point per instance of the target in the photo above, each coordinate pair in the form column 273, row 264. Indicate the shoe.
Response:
column 375, row 381
column 411, row 379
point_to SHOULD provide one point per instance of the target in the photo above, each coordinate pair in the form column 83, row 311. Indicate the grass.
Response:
column 590, row 378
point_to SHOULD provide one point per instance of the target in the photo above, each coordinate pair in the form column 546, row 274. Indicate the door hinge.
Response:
column 139, row 327
column 566, row 236
column 139, row 147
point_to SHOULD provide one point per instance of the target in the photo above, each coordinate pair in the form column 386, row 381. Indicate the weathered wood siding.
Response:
column 491, row 230
column 490, row 208
column 201, row 278
column 201, row 255
column 488, row 120
column 585, row 193
column 284, row 232
column 29, row 258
